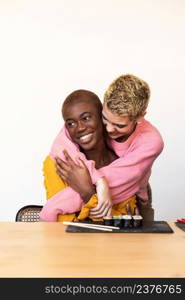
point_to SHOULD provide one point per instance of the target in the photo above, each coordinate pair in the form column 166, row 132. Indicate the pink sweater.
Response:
column 128, row 175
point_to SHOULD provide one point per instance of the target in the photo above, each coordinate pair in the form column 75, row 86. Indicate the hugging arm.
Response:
column 130, row 173
column 61, row 198
column 78, row 177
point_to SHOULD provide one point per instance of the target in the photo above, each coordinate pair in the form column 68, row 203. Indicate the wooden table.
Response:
column 46, row 250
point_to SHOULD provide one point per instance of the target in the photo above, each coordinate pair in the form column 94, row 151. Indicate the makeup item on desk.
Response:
column 108, row 220
column 137, row 221
column 126, row 221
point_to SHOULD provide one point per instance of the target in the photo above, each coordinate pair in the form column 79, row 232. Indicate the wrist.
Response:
column 86, row 195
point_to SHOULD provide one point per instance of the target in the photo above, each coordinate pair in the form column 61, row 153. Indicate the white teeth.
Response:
column 86, row 137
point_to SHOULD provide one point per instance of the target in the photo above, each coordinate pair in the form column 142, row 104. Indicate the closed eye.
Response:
column 104, row 120
column 117, row 125
column 120, row 126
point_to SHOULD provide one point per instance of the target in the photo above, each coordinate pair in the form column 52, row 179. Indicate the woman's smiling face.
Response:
column 84, row 124
column 117, row 127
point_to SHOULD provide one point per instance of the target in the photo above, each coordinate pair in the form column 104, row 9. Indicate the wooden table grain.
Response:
column 45, row 250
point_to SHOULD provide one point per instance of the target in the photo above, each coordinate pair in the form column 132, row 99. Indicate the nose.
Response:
column 109, row 127
column 80, row 126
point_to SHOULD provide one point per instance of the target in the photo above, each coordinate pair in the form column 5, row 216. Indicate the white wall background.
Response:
column 50, row 48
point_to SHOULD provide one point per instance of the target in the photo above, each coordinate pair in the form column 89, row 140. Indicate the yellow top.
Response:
column 53, row 184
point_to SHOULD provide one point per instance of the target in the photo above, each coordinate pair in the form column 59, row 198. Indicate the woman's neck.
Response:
column 102, row 155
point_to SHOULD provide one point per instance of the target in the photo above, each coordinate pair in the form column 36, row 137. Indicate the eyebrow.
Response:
column 81, row 115
column 86, row 112
column 69, row 120
column 114, row 123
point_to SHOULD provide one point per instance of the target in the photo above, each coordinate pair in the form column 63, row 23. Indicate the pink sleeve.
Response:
column 127, row 172
column 66, row 201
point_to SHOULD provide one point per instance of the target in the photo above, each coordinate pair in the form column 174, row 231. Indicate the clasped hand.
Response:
column 77, row 176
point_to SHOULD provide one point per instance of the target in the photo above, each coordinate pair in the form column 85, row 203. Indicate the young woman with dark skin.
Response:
column 82, row 116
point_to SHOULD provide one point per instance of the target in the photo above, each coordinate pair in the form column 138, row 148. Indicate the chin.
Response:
column 87, row 147
column 114, row 137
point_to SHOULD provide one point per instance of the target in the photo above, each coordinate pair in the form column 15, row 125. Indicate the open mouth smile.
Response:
column 86, row 138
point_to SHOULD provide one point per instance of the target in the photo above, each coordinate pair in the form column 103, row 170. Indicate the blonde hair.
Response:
column 128, row 95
